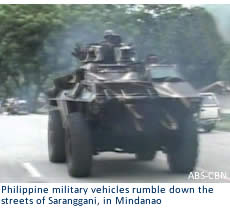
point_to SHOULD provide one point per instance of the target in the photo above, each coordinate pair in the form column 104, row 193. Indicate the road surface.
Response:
column 24, row 158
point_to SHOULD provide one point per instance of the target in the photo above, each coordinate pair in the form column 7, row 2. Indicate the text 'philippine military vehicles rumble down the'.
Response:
column 110, row 104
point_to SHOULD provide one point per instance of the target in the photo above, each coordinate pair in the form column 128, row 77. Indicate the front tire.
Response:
column 182, row 156
column 78, row 146
column 56, row 138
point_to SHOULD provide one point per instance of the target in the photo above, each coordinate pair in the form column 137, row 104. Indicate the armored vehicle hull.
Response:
column 111, row 104
column 115, row 110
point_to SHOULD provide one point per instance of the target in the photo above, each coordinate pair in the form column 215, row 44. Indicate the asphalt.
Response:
column 24, row 158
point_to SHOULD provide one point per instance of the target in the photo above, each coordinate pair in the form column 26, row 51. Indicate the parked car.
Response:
column 209, row 111
column 16, row 106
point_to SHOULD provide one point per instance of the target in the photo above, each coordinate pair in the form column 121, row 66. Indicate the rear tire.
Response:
column 182, row 156
column 145, row 156
column 56, row 138
column 78, row 146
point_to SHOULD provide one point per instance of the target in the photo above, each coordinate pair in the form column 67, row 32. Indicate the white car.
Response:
column 209, row 111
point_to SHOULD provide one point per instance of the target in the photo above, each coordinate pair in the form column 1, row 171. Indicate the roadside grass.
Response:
column 224, row 124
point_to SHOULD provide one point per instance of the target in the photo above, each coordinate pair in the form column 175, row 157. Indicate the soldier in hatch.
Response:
column 108, row 45
column 151, row 59
column 111, row 40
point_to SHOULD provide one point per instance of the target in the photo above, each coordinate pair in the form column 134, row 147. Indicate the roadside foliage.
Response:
column 36, row 41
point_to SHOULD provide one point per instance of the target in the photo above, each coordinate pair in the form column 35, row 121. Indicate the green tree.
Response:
column 36, row 41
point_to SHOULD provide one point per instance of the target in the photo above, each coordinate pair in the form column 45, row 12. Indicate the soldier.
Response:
column 151, row 59
column 111, row 40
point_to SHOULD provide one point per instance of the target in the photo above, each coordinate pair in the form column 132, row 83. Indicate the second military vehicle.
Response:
column 109, row 104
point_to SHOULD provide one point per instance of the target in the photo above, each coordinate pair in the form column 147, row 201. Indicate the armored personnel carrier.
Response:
column 109, row 104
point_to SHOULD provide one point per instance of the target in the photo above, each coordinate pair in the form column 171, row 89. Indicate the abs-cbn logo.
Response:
column 210, row 175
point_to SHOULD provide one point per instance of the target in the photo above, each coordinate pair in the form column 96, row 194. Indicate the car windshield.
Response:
column 164, row 72
column 208, row 100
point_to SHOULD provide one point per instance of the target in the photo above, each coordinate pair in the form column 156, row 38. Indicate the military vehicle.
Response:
column 111, row 105
column 170, row 83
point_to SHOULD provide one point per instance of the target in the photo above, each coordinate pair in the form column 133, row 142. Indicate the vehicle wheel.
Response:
column 182, row 156
column 56, row 138
column 145, row 156
column 78, row 146
column 209, row 127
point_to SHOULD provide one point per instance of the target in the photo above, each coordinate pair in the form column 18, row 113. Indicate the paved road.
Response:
column 24, row 158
